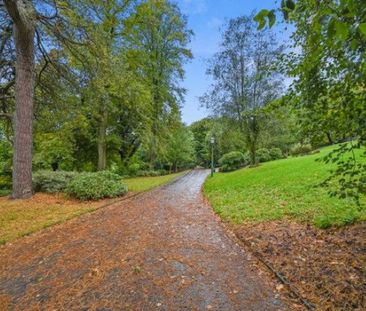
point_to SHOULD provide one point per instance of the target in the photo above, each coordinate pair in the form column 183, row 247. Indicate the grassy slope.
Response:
column 23, row 217
column 280, row 189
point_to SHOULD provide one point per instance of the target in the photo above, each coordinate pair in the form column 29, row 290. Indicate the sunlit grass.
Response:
column 139, row 184
column 280, row 189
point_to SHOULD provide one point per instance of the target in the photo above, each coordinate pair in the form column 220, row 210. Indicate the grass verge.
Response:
column 22, row 217
column 282, row 189
column 139, row 184
column 19, row 218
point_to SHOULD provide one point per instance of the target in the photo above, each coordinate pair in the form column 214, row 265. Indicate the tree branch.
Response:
column 6, row 115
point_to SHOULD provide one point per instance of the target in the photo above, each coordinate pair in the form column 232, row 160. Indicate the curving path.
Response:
column 162, row 250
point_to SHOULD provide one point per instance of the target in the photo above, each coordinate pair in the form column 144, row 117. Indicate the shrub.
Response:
column 276, row 153
column 300, row 149
column 52, row 182
column 94, row 186
column 133, row 169
column 5, row 181
column 163, row 172
column 232, row 161
column 6, row 155
column 4, row 192
column 263, row 155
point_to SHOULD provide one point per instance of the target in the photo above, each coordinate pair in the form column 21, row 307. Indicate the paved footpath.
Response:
column 162, row 250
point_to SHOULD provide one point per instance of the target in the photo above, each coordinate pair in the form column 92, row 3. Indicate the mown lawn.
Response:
column 281, row 189
column 139, row 184
column 23, row 217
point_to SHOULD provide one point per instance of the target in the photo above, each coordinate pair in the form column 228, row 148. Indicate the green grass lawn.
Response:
column 281, row 189
column 139, row 184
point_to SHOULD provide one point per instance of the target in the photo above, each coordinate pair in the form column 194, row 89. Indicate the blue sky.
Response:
column 205, row 18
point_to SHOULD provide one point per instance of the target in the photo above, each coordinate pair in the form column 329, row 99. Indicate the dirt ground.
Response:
column 326, row 267
column 161, row 250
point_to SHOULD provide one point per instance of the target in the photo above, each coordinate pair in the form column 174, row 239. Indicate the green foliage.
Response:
column 227, row 135
column 300, row 149
column 263, row 155
column 276, row 154
column 261, row 17
column 245, row 78
column 329, row 91
column 232, row 161
column 52, row 181
column 53, row 152
column 283, row 189
column 350, row 172
column 94, row 186
column 180, row 148
column 4, row 192
column 201, row 130
column 6, row 155
column 159, row 52
column 281, row 129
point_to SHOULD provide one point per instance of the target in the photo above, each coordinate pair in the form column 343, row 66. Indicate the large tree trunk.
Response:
column 102, row 143
column 329, row 136
column 252, row 132
column 253, row 153
column 23, row 16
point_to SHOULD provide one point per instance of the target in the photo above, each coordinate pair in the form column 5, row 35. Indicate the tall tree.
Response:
column 23, row 16
column 7, row 66
column 31, row 26
column 157, row 35
column 180, row 148
column 244, row 79
column 111, row 83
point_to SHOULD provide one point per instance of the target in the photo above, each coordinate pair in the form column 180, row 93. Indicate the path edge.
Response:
column 97, row 209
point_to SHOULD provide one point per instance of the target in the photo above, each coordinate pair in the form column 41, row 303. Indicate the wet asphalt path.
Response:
column 162, row 250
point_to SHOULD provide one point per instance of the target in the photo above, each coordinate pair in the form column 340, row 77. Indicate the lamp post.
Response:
column 212, row 155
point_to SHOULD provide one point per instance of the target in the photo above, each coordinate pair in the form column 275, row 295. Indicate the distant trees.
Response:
column 202, row 131
column 104, row 79
column 180, row 152
column 157, row 37
column 101, row 64
column 227, row 136
column 244, row 78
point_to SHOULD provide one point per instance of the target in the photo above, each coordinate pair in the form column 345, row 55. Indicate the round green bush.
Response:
column 94, row 186
column 263, row 155
column 276, row 153
column 232, row 161
column 51, row 181
column 300, row 149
